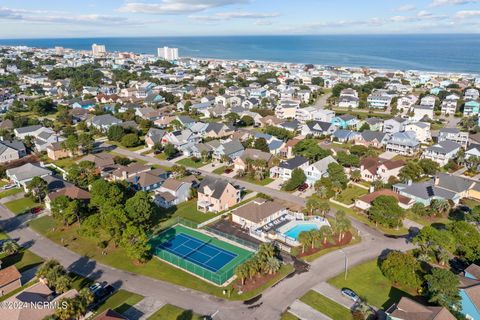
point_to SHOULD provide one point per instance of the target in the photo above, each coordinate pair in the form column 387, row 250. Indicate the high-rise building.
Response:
column 168, row 53
column 98, row 50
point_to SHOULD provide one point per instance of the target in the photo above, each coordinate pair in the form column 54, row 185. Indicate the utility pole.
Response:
column 346, row 263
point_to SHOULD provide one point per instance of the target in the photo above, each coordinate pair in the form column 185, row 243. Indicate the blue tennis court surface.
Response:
column 198, row 252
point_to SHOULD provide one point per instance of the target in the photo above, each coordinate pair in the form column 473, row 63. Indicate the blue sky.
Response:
column 68, row 18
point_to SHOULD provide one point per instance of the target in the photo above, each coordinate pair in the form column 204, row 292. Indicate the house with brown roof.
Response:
column 101, row 160
column 172, row 192
column 125, row 172
column 215, row 195
column 9, row 280
column 407, row 309
column 258, row 213
column 365, row 202
column 38, row 303
column 241, row 163
column 270, row 121
column 71, row 191
column 373, row 169
column 56, row 151
column 286, row 151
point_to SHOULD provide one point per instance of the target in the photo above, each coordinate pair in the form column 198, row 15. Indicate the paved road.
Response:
column 269, row 306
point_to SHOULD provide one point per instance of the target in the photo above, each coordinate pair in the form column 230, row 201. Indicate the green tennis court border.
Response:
column 219, row 277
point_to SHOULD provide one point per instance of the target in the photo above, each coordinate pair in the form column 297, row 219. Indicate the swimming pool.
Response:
column 296, row 230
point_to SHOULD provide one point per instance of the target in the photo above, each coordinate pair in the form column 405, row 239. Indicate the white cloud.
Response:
column 55, row 17
column 235, row 15
column 176, row 6
column 406, row 7
column 439, row 3
column 465, row 14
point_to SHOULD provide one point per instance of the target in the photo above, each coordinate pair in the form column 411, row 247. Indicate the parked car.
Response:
column 303, row 187
column 36, row 210
column 104, row 292
column 350, row 294
column 95, row 287
column 9, row 186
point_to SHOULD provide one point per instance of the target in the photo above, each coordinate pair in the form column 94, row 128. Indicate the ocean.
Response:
column 454, row 52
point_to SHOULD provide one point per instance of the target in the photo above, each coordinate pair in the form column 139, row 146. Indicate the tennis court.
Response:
column 205, row 256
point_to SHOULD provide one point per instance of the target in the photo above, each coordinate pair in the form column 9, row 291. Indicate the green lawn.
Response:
column 3, row 182
column 119, row 145
column 23, row 259
column 9, row 192
column 21, row 206
column 263, row 182
column 188, row 210
column 188, row 162
column 471, row 203
column 116, row 257
column 66, row 162
column 326, row 306
column 349, row 195
column 171, row 312
column 161, row 156
column 369, row 283
column 220, row 170
column 120, row 301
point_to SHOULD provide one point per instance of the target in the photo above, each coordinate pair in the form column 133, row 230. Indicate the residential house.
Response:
column 120, row 172
column 286, row 152
column 148, row 180
column 346, row 121
column 370, row 138
column 70, row 191
column 318, row 170
column 343, row 136
column 348, row 102
column 10, row 280
column 215, row 195
column 284, row 170
column 404, row 143
column 186, row 121
column 181, row 139
column 154, row 136
column 428, row 101
column 172, row 192
column 449, row 106
column 379, row 100
column 442, row 152
column 406, row 103
column 455, row 135
column 375, row 124
column 315, row 114
column 408, row 309
column 218, row 130
column 270, row 121
column 373, row 169
column 258, row 213
column 31, row 298
column 394, row 125
column 470, row 292
column 443, row 186
column 241, row 162
column 422, row 112
column 318, row 128
column 103, row 122
column 42, row 136
column 22, row 175
column 11, row 150
column 471, row 94
column 101, row 160
column 287, row 109
column 365, row 202
column 229, row 149
column 421, row 129
column 56, row 151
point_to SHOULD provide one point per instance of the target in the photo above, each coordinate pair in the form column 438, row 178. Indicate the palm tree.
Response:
column 337, row 187
column 242, row 272
column 313, row 204
column 440, row 206
column 326, row 233
column 10, row 247
column 356, row 175
column 266, row 251
column 62, row 284
column 324, row 208
column 315, row 237
column 322, row 192
column 343, row 224
column 253, row 267
column 272, row 265
column 304, row 239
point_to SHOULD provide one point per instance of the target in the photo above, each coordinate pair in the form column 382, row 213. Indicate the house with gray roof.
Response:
column 11, row 150
column 404, row 143
column 343, row 136
column 154, row 136
column 444, row 187
column 318, row 128
column 172, row 192
column 370, row 138
column 318, row 170
column 394, row 125
column 42, row 136
column 442, row 152
column 229, row 148
column 215, row 195
column 22, row 175
column 455, row 135
column 285, row 168
column 103, row 122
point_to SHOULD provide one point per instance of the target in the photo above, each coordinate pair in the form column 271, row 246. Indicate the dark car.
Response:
column 36, row 210
column 101, row 293
column 303, row 187
column 350, row 294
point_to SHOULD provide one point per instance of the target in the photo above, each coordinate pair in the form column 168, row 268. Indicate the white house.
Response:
column 421, row 129
column 318, row 170
column 442, row 152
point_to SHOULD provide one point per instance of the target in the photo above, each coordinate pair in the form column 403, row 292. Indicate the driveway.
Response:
column 387, row 155
column 275, row 184
column 334, row 294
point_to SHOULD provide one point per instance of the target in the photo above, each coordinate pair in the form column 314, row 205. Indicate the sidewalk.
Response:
column 305, row 312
